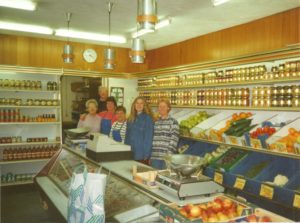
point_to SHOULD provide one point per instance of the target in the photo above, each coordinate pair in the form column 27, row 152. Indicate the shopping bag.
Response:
column 86, row 198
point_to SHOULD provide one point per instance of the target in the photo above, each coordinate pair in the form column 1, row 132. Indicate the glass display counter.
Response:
column 122, row 199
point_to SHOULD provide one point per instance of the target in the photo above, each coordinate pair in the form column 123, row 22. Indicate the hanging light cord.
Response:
column 110, row 5
column 69, row 15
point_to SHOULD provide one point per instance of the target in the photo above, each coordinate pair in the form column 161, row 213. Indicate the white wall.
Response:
column 130, row 89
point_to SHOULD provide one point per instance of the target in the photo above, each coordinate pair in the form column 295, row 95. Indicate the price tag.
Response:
column 218, row 177
column 296, row 202
column 280, row 146
column 214, row 136
column 255, row 143
column 239, row 183
column 233, row 140
column 266, row 191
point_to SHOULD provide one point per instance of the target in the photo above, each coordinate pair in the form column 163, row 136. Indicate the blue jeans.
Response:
column 158, row 164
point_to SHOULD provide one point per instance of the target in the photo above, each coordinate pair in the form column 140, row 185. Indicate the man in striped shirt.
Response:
column 165, row 137
column 118, row 129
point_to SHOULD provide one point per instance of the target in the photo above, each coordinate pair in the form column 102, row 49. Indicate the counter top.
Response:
column 123, row 169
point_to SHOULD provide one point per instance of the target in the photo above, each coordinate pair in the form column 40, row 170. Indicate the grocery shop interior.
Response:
column 149, row 111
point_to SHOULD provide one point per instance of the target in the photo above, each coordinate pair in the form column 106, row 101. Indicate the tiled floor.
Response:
column 21, row 204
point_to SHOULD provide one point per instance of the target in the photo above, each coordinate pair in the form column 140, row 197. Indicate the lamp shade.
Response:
column 109, row 59
column 68, row 54
column 137, row 53
column 147, row 14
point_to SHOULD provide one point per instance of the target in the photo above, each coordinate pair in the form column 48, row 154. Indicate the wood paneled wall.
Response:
column 38, row 52
column 269, row 33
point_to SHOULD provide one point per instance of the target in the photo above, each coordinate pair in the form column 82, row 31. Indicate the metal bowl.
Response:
column 184, row 165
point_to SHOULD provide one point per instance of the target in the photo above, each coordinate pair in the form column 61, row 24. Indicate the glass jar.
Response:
column 281, row 101
column 296, row 90
column 296, row 101
column 274, row 102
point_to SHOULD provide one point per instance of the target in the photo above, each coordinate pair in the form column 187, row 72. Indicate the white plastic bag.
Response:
column 86, row 198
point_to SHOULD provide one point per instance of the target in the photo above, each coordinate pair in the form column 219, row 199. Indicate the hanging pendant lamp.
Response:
column 109, row 53
column 68, row 49
column 147, row 14
column 137, row 53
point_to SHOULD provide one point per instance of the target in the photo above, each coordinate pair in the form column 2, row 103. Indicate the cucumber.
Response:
column 243, row 131
column 241, row 121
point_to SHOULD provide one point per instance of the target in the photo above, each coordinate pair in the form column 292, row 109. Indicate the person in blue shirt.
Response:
column 139, row 134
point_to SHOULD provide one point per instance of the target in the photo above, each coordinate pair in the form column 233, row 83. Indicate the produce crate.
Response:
column 174, row 213
column 279, row 166
column 281, row 146
column 278, row 121
column 222, row 164
column 261, row 215
column 256, row 120
column 294, row 183
column 200, row 149
column 200, row 130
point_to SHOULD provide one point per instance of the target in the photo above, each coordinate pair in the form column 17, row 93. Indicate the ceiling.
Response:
column 190, row 18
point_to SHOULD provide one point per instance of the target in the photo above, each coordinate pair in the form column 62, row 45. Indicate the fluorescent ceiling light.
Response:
column 25, row 28
column 90, row 36
column 219, row 2
column 19, row 4
column 141, row 32
column 159, row 25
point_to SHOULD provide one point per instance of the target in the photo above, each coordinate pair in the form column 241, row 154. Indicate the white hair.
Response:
column 101, row 88
column 93, row 101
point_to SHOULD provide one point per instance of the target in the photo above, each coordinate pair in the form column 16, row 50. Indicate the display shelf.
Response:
column 29, row 123
column 23, row 161
column 291, row 109
column 26, row 90
column 16, row 183
column 28, row 143
column 256, row 82
column 27, row 106
column 248, row 148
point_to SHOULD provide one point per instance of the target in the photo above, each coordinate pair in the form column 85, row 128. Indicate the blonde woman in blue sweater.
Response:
column 165, row 136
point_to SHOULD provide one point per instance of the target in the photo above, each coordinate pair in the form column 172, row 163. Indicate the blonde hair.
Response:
column 166, row 101
column 91, row 101
column 146, row 109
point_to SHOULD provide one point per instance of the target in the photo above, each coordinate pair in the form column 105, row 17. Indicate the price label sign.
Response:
column 214, row 136
column 266, row 191
column 255, row 143
column 218, row 177
column 280, row 146
column 233, row 140
column 296, row 202
column 239, row 183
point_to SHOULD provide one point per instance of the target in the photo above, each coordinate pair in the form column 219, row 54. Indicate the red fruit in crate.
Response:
column 188, row 208
column 195, row 211
column 259, row 131
column 213, row 218
column 251, row 218
column 265, row 219
column 227, row 203
column 217, row 207
column 218, row 200
column 204, row 216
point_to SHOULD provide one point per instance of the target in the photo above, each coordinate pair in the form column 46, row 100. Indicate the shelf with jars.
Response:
column 30, row 116
column 282, row 97
column 287, row 72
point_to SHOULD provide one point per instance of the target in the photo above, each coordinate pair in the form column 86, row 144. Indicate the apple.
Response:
column 216, row 207
column 222, row 217
column 188, row 208
column 210, row 211
column 203, row 206
column 204, row 216
column 218, row 200
column 195, row 211
column 183, row 213
column 209, row 204
column 213, row 218
column 227, row 203
column 252, row 218
column 265, row 219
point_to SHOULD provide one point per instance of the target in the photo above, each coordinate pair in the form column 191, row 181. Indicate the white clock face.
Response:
column 90, row 55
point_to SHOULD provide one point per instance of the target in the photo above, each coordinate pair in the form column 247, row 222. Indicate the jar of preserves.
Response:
column 296, row 101
column 281, row 101
column 267, row 102
column 274, row 102
column 296, row 90
column 255, row 102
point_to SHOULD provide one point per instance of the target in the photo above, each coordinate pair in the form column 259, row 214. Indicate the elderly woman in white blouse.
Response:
column 92, row 119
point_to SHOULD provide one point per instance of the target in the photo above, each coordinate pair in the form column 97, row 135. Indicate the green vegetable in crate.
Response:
column 192, row 121
column 255, row 170
column 240, row 127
